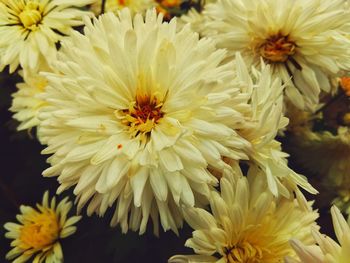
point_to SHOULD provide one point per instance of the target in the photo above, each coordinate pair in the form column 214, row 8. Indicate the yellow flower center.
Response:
column 40, row 229
column 244, row 253
column 277, row 48
column 31, row 15
column 143, row 114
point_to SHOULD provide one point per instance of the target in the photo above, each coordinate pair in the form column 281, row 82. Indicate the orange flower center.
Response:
column 170, row 3
column 345, row 85
column 143, row 114
column 277, row 48
column 122, row 2
column 40, row 229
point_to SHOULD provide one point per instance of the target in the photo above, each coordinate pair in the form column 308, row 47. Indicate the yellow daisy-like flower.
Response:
column 25, row 103
column 247, row 224
column 30, row 29
column 39, row 231
column 328, row 250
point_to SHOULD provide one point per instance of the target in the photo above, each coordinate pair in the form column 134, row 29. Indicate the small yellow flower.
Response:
column 40, row 230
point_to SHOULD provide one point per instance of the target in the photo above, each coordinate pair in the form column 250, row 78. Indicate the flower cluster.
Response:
column 191, row 119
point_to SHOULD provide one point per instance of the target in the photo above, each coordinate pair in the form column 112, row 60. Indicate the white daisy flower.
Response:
column 30, row 30
column 25, row 103
column 264, row 119
column 328, row 250
column 247, row 224
column 135, row 6
column 138, row 114
column 39, row 231
column 304, row 41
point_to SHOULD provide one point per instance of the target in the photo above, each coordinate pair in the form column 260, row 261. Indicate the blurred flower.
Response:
column 320, row 142
column 264, row 120
column 135, row 6
column 327, row 251
column 138, row 114
column 194, row 16
column 345, row 85
column 327, row 156
column 39, row 231
column 30, row 29
column 304, row 41
column 247, row 224
column 25, row 103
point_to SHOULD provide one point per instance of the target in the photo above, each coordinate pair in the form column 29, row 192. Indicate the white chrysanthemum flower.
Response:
column 304, row 41
column 135, row 6
column 137, row 115
column 264, row 120
column 30, row 29
column 39, row 230
column 247, row 224
column 25, row 103
column 327, row 251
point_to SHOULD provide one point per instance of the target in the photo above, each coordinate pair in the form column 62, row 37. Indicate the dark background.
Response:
column 21, row 182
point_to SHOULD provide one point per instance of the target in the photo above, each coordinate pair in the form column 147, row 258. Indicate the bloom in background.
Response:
column 194, row 15
column 263, row 121
column 320, row 142
column 247, row 224
column 25, row 103
column 39, row 231
column 30, row 29
column 135, row 6
column 169, row 8
column 137, row 115
column 327, row 251
column 304, row 41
